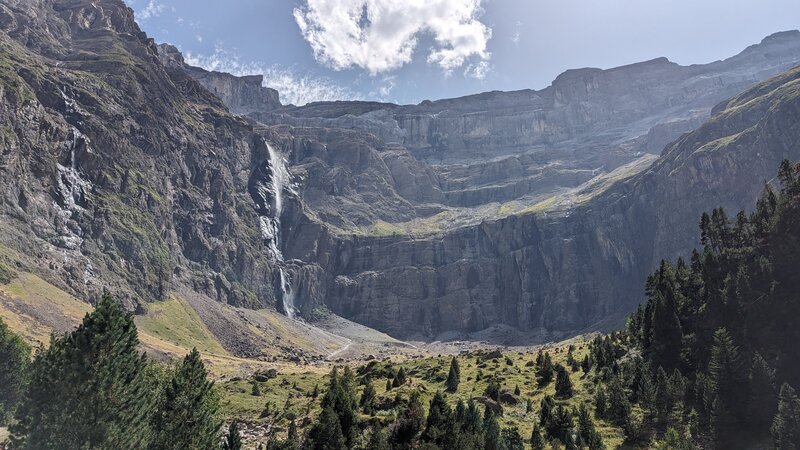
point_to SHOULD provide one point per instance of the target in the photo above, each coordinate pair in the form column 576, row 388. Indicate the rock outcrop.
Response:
column 119, row 173
column 571, row 265
column 124, row 169
column 243, row 95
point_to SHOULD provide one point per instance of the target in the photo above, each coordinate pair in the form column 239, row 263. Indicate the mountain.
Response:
column 126, row 170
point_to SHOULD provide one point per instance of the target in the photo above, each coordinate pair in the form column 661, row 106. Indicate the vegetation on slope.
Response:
column 709, row 361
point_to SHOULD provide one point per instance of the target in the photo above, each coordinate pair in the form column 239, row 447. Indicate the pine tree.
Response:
column 763, row 398
column 233, row 441
column 601, row 402
column 491, row 431
column 587, row 433
column 399, row 378
column 440, row 420
column 454, row 376
column 367, row 401
column 586, row 365
column 377, row 439
column 493, row 390
column 728, row 385
column 663, row 400
column 563, row 383
column 315, row 392
column 14, row 361
column 186, row 416
column 409, row 423
column 326, row 434
column 512, row 440
column 341, row 398
column 98, row 376
column 786, row 425
column 546, row 407
column 560, row 425
column 292, row 441
column 255, row 390
column 537, row 441
column 618, row 408
column 388, row 385
column 544, row 368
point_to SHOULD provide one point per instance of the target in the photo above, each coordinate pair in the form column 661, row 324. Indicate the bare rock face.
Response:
column 123, row 168
column 565, row 268
column 243, row 95
column 120, row 173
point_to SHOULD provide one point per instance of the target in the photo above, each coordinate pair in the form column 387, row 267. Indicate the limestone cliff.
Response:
column 125, row 169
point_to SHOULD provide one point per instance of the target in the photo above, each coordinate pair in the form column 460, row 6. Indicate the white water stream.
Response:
column 271, row 226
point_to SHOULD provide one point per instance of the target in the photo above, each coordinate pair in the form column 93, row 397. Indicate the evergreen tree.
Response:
column 618, row 408
column 674, row 440
column 544, row 368
column 763, row 398
column 491, row 431
column 537, row 441
column 546, row 407
column 292, row 441
column 440, row 420
column 255, row 389
column 586, row 365
column 377, row 440
column 409, row 423
column 512, row 440
column 233, row 441
column 186, row 416
column 563, row 383
column 399, row 378
column 663, row 400
column 728, row 386
column 96, row 374
column 560, row 424
column 600, row 402
column 588, row 436
column 367, row 401
column 493, row 390
column 454, row 376
column 786, row 425
column 326, row 434
column 14, row 361
column 472, row 420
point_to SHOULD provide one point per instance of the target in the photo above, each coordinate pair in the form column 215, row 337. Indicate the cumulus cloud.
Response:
column 381, row 35
column 294, row 88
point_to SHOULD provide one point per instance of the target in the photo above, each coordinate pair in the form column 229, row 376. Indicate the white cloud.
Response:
column 478, row 70
column 381, row 35
column 294, row 88
column 384, row 88
column 517, row 34
column 153, row 9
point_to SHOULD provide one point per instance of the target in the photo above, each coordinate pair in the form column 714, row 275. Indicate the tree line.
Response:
column 94, row 389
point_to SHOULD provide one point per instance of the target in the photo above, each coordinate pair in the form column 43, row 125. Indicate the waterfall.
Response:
column 270, row 198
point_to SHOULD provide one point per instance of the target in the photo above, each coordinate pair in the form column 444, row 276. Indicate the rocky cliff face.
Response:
column 120, row 173
column 580, row 259
column 243, row 95
column 504, row 146
column 123, row 168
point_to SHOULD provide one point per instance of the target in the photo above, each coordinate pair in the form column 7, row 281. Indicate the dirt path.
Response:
column 340, row 351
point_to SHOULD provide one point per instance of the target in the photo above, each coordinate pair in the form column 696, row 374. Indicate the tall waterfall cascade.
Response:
column 279, row 182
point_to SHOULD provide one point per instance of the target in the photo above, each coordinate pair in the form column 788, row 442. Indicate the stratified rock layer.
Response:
column 124, row 169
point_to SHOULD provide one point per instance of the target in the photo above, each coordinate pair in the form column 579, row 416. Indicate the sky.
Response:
column 407, row 51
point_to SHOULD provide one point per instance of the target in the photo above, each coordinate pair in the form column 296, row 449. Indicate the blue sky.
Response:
column 406, row 51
